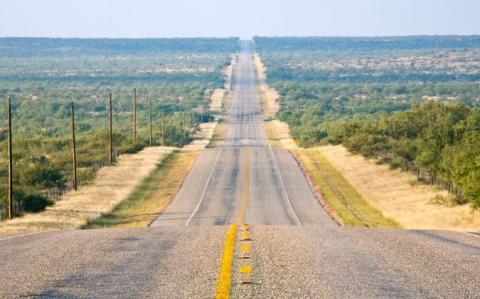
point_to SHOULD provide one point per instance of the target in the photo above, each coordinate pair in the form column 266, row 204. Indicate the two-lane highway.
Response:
column 245, row 223
column 278, row 192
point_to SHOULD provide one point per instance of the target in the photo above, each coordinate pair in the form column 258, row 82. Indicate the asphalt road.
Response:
column 290, row 248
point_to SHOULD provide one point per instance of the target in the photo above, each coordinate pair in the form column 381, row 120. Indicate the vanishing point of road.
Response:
column 245, row 223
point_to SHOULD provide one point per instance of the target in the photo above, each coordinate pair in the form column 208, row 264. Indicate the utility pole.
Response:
column 135, row 114
column 10, row 161
column 74, row 150
column 171, row 129
column 150, row 120
column 110, row 131
column 163, row 127
column 180, row 128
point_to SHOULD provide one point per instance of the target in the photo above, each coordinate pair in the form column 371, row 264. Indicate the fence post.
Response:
column 10, row 161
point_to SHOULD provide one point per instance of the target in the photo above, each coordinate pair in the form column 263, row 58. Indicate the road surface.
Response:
column 285, row 245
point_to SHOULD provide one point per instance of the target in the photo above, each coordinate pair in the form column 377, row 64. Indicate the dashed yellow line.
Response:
column 246, row 269
column 245, row 248
column 245, row 235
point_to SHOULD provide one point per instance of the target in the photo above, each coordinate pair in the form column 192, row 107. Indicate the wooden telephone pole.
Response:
column 10, row 161
column 110, row 131
column 74, row 150
column 180, row 116
column 171, row 129
column 135, row 114
column 150, row 121
column 163, row 128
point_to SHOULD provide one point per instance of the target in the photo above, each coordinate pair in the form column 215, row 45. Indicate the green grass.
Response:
column 152, row 196
column 347, row 203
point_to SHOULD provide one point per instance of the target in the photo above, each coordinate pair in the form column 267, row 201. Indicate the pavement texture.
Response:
column 286, row 246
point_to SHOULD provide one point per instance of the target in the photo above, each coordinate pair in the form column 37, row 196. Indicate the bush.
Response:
column 397, row 162
column 133, row 148
column 35, row 203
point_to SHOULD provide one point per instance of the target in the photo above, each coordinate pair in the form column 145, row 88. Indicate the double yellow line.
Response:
column 225, row 276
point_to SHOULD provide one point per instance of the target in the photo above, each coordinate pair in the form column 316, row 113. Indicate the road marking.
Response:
column 206, row 187
column 246, row 186
column 246, row 269
column 472, row 234
column 225, row 277
column 245, row 235
column 245, row 248
column 277, row 169
column 20, row 236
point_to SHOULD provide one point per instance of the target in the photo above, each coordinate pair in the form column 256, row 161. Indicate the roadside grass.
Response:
column 152, row 196
column 347, row 203
column 218, row 136
column 272, row 135
column 413, row 204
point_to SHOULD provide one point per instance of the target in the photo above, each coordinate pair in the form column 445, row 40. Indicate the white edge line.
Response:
column 277, row 168
column 20, row 236
column 205, row 189
column 472, row 234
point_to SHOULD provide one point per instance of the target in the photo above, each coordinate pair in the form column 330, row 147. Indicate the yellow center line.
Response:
column 245, row 248
column 246, row 269
column 225, row 277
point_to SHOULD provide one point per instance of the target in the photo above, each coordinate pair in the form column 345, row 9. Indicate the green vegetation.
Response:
column 43, row 75
column 347, row 203
column 412, row 102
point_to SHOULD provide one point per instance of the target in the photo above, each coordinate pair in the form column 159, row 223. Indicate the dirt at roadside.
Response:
column 111, row 185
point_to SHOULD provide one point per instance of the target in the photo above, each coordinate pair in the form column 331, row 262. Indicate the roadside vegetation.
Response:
column 410, row 102
column 346, row 202
column 152, row 196
column 43, row 76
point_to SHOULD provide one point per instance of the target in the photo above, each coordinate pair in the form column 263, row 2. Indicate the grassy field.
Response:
column 152, row 196
column 347, row 203
column 398, row 194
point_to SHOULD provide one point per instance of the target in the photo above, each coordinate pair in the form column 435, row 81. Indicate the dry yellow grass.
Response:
column 112, row 185
column 228, row 72
column 152, row 196
column 268, row 96
column 340, row 197
column 201, row 138
column 218, row 136
column 392, row 191
column 216, row 103
column 278, row 134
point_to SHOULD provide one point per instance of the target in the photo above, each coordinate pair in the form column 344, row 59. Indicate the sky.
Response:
column 242, row 18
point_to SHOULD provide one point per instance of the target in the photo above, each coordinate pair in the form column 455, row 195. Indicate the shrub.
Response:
column 35, row 203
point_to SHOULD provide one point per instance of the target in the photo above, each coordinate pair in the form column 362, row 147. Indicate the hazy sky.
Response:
column 244, row 18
